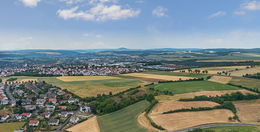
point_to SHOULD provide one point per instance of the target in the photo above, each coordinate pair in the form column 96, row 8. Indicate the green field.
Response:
column 191, row 86
column 234, row 129
column 124, row 120
column 89, row 88
column 10, row 127
column 177, row 74
column 246, row 82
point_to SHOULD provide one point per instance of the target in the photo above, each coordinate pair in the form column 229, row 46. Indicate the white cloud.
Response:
column 99, row 12
column 240, row 13
column 71, row 1
column 92, row 35
column 217, row 14
column 252, row 5
column 30, row 3
column 159, row 11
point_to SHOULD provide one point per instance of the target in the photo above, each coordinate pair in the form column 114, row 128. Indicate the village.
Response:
column 41, row 106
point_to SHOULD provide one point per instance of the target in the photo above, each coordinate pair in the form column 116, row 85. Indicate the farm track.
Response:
column 215, row 125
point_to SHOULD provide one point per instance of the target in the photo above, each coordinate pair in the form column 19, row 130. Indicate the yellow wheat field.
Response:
column 85, row 78
column 221, row 79
column 90, row 125
column 159, row 77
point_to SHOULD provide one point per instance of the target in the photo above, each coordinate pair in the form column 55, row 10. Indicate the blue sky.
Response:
column 91, row 24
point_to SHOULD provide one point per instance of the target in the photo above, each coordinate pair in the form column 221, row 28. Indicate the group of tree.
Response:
column 255, row 76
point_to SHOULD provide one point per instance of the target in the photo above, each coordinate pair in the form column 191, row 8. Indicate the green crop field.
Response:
column 246, row 82
column 191, row 86
column 234, row 129
column 177, row 74
column 10, row 127
column 124, row 120
column 88, row 88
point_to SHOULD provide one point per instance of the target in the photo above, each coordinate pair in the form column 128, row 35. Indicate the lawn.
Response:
column 191, row 86
column 246, row 82
column 177, row 74
column 234, row 129
column 90, row 87
column 10, row 127
column 124, row 120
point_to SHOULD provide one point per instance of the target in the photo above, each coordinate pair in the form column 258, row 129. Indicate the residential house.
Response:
column 54, row 122
column 26, row 115
column 74, row 119
column 34, row 123
column 85, row 109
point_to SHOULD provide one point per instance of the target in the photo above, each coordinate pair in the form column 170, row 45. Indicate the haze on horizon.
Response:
column 136, row 24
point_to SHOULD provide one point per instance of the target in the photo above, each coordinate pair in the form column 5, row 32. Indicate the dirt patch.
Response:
column 183, row 120
column 221, row 79
column 90, row 125
column 158, row 77
column 248, row 111
column 143, row 121
column 174, row 105
column 207, row 93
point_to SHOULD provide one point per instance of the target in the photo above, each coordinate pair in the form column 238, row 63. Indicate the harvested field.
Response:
column 174, row 105
column 226, row 60
column 240, row 73
column 215, row 70
column 172, row 73
column 221, row 79
column 248, row 111
column 85, row 78
column 90, row 125
column 207, row 93
column 143, row 121
column 160, row 77
column 183, row 120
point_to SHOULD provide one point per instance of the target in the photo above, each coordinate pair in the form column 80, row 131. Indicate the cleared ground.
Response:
column 235, row 129
column 160, row 77
column 166, row 105
column 191, row 86
column 240, row 73
column 85, row 78
column 90, row 125
column 162, row 98
column 91, row 87
column 10, row 127
column 248, row 111
column 246, row 82
column 124, row 120
column 220, row 79
column 183, row 120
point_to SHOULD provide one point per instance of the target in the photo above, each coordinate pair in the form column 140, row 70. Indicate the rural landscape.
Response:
column 129, row 66
column 194, row 93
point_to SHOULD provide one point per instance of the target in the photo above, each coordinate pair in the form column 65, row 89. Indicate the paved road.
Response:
column 9, row 95
column 215, row 125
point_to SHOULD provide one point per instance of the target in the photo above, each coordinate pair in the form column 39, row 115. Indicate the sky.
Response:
column 135, row 24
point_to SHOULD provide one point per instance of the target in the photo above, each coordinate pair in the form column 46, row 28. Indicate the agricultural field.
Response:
column 246, row 82
column 168, row 105
column 85, row 78
column 220, row 79
column 234, row 129
column 143, row 121
column 10, row 127
column 240, row 73
column 248, row 111
column 87, row 87
column 181, row 120
column 124, row 120
column 90, row 125
column 191, row 86
column 163, row 98
column 170, row 73
column 157, row 77
column 215, row 70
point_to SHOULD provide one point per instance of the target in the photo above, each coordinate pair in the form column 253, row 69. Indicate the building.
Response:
column 26, row 115
column 74, row 119
column 54, row 122
column 34, row 123
column 85, row 109
column 4, row 117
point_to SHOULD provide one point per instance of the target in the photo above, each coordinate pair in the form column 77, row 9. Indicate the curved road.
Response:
column 215, row 125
